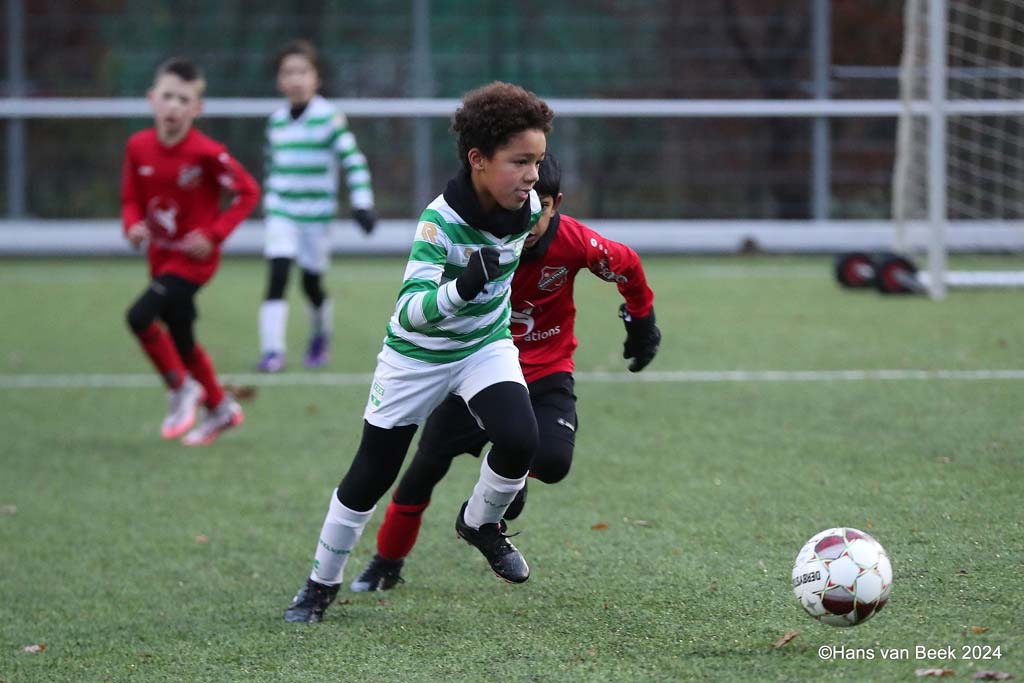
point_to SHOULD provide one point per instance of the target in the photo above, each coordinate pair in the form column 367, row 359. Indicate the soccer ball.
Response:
column 842, row 576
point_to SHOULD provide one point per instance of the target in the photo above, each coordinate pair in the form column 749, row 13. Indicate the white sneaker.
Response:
column 222, row 418
column 182, row 404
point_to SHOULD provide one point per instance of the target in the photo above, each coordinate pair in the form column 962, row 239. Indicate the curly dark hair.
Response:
column 490, row 115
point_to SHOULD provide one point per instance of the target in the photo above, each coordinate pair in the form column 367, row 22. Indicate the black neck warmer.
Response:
column 500, row 222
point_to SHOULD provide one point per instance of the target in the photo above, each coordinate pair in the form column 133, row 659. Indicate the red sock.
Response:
column 397, row 535
column 201, row 368
column 158, row 346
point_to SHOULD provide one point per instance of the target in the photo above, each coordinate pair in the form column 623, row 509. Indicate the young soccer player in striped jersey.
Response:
column 449, row 333
column 543, row 327
column 308, row 145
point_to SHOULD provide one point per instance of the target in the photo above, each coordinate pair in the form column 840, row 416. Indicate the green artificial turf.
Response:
column 665, row 555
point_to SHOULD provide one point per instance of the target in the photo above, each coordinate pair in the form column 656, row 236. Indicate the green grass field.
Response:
column 135, row 559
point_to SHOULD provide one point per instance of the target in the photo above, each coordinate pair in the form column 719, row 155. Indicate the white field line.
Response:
column 126, row 381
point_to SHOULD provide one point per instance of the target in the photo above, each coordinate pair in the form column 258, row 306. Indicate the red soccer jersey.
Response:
column 176, row 190
column 543, row 310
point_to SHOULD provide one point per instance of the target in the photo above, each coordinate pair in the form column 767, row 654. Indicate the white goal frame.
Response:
column 936, row 278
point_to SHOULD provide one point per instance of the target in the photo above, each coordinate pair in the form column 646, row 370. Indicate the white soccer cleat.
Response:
column 182, row 404
column 217, row 421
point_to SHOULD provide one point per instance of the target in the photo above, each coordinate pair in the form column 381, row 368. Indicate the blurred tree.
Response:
column 775, row 50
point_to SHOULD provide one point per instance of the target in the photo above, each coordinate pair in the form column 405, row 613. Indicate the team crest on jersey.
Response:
column 552, row 277
column 189, row 176
column 427, row 232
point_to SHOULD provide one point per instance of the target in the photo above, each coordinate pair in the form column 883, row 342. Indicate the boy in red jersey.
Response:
column 543, row 318
column 171, row 185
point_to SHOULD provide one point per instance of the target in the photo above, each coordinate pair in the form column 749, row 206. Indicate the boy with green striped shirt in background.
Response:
column 308, row 146
column 449, row 333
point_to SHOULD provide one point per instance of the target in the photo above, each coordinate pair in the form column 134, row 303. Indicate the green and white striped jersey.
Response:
column 431, row 321
column 304, row 157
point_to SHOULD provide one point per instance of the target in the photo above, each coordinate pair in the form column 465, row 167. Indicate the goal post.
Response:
column 962, row 158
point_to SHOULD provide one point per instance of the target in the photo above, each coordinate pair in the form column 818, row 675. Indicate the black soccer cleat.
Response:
column 309, row 603
column 515, row 508
column 490, row 539
column 380, row 575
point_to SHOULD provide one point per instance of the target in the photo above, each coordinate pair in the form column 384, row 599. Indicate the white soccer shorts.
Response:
column 307, row 243
column 405, row 391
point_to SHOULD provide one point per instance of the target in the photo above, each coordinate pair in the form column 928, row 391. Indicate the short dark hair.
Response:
column 490, row 115
column 182, row 67
column 301, row 47
column 550, row 182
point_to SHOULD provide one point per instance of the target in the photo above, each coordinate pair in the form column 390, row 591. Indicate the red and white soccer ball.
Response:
column 842, row 576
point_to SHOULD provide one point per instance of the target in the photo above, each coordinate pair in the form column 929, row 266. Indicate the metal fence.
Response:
column 705, row 126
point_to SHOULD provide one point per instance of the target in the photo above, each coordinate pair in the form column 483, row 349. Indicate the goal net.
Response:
column 960, row 140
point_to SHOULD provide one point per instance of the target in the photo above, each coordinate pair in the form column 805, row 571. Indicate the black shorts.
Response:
column 452, row 429
column 170, row 298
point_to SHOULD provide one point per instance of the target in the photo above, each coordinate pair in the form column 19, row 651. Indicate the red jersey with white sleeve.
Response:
column 543, row 310
column 177, row 190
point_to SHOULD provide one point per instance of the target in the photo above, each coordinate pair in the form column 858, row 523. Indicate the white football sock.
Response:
column 492, row 495
column 342, row 529
column 321, row 320
column 273, row 323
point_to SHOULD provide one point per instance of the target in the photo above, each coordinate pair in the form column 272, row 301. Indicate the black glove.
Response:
column 482, row 267
column 642, row 339
column 366, row 218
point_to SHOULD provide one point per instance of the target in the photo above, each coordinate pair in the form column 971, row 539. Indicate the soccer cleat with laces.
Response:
column 309, row 603
column 182, row 405
column 490, row 539
column 217, row 421
column 380, row 575
column 271, row 361
column 515, row 508
column 319, row 351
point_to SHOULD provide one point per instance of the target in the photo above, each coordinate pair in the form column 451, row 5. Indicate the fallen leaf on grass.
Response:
column 933, row 672
column 992, row 676
column 944, row 460
column 636, row 522
column 600, row 526
column 784, row 638
column 202, row 539
column 312, row 409
column 383, row 603
column 346, row 601
column 8, row 509
column 243, row 392
column 34, row 648
column 979, row 629
column 713, row 587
